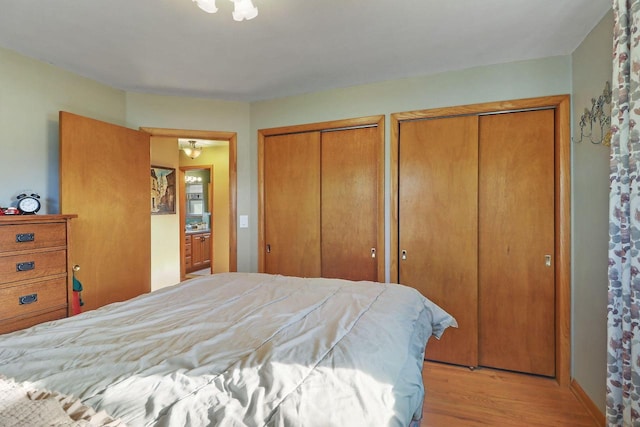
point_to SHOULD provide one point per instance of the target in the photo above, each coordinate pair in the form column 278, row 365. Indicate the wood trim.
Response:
column 381, row 192
column 231, row 138
column 563, row 241
column 19, row 219
column 233, row 202
column 562, row 209
column 378, row 121
column 394, row 222
column 189, row 133
column 320, row 126
column 488, row 107
column 261, row 207
column 593, row 410
column 182, row 189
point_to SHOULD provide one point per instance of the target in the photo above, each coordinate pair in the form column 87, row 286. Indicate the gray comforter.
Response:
column 241, row 349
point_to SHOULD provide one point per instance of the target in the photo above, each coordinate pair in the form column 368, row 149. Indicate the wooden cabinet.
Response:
column 187, row 253
column 34, row 278
column 321, row 203
column 477, row 232
column 197, row 251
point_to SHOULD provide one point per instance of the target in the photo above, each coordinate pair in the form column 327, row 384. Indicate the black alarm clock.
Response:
column 28, row 204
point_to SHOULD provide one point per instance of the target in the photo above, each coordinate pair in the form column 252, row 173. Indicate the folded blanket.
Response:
column 24, row 405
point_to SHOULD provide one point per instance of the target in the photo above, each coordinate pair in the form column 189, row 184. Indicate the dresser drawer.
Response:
column 18, row 323
column 26, row 237
column 14, row 268
column 23, row 300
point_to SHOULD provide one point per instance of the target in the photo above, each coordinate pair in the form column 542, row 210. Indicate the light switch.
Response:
column 244, row 221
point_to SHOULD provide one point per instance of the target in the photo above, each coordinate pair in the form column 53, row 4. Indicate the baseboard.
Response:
column 593, row 410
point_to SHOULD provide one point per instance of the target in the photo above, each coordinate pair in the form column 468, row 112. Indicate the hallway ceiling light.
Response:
column 192, row 151
column 243, row 9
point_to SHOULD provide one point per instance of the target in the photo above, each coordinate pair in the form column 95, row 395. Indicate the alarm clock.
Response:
column 28, row 204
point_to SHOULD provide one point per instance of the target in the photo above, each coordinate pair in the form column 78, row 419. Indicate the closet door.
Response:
column 438, row 216
column 349, row 199
column 292, row 204
column 516, row 242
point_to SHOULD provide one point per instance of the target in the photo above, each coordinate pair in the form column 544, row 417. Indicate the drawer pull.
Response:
column 28, row 299
column 25, row 266
column 25, row 237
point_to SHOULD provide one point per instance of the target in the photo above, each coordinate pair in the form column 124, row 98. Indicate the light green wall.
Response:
column 592, row 67
column 31, row 95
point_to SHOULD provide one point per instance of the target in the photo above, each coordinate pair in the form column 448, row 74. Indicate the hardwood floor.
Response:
column 459, row 397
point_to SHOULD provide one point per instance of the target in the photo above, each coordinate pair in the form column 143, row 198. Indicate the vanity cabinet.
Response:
column 197, row 251
column 187, row 252
column 34, row 266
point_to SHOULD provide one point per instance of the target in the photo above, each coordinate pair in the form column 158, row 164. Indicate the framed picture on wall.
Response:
column 163, row 190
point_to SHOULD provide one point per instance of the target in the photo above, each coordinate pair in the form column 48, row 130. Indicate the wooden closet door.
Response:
column 350, row 160
column 438, row 185
column 516, row 242
column 292, row 204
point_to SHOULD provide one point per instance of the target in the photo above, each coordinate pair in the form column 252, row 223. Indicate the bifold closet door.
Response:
column 438, row 217
column 516, row 242
column 349, row 199
column 292, row 204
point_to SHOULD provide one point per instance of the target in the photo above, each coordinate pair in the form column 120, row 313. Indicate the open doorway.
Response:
column 197, row 203
column 224, row 210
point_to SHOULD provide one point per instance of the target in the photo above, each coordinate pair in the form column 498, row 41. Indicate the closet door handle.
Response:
column 268, row 248
column 404, row 255
column 373, row 252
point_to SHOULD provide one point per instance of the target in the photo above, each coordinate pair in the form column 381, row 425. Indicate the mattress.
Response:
column 240, row 349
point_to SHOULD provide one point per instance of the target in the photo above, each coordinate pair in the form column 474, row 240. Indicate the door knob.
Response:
column 404, row 254
column 373, row 252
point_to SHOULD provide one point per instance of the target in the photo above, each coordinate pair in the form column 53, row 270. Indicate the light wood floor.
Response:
column 459, row 397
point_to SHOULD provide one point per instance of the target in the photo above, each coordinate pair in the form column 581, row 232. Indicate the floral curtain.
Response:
column 623, row 317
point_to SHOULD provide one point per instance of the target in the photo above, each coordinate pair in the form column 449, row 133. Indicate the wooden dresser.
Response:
column 35, row 284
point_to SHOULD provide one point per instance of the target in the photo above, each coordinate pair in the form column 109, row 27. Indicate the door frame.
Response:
column 231, row 138
column 562, row 181
column 183, row 213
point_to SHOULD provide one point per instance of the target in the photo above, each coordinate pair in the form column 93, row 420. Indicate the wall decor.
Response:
column 595, row 124
column 163, row 190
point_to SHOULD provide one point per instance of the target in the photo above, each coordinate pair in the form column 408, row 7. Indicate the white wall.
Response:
column 31, row 95
column 592, row 67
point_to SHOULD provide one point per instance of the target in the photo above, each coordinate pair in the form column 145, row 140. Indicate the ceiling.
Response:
column 293, row 47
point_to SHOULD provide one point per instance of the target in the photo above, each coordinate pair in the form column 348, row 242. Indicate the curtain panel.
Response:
column 623, row 314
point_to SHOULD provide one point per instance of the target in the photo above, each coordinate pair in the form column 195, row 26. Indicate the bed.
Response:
column 240, row 349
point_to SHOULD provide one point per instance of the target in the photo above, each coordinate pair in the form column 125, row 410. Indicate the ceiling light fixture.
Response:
column 192, row 151
column 243, row 9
